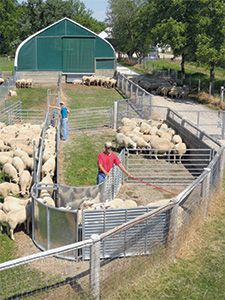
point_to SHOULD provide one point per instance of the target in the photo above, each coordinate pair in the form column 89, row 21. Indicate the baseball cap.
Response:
column 61, row 102
column 108, row 145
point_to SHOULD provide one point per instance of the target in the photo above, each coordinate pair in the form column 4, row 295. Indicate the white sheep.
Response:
column 145, row 128
column 25, row 182
column 179, row 150
column 10, row 172
column 5, row 159
column 176, row 139
column 20, row 216
column 160, row 145
column 12, row 203
column 125, row 141
column 140, row 142
column 3, row 147
column 49, row 166
column 18, row 164
column 7, row 188
column 3, row 219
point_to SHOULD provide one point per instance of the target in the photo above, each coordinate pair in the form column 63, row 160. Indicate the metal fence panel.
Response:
column 135, row 241
column 90, row 118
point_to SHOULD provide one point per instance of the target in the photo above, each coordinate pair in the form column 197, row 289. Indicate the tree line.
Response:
column 194, row 29
column 20, row 20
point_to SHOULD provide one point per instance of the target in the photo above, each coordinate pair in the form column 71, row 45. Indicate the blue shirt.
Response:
column 64, row 112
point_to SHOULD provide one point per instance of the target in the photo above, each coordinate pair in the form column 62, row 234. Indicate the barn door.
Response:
column 78, row 54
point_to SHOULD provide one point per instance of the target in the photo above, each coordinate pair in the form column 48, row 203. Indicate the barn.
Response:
column 67, row 47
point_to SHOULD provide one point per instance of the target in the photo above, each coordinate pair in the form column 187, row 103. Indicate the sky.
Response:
column 98, row 8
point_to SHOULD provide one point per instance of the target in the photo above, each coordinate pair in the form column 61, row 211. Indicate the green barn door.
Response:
column 79, row 55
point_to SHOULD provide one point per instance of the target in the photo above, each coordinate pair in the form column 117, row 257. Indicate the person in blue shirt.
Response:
column 64, row 111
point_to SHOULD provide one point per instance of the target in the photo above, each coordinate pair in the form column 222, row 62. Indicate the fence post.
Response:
column 206, row 191
column 199, row 85
column 115, row 112
column 221, row 94
column 95, row 267
column 126, row 87
column 172, row 241
column 131, row 90
column 210, row 89
column 223, row 125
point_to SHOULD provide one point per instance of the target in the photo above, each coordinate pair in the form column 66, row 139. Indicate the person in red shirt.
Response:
column 106, row 161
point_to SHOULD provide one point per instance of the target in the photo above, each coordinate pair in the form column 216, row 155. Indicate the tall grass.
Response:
column 6, row 64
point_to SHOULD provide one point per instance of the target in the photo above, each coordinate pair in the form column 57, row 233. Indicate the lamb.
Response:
column 7, row 188
column 25, row 182
column 49, row 166
column 10, row 172
column 47, row 200
column 125, row 141
column 18, row 164
column 179, row 149
column 12, row 93
column 20, row 216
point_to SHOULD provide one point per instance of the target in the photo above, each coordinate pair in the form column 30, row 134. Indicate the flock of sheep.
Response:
column 173, row 91
column 106, row 82
column 150, row 135
column 17, row 165
column 24, row 83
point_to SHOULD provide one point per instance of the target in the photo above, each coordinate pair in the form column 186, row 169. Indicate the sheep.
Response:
column 176, row 139
column 13, row 203
column 49, row 166
column 130, row 204
column 25, row 182
column 115, row 203
column 160, row 145
column 20, row 216
column 2, row 81
column 125, row 141
column 47, row 179
column 10, row 172
column 47, row 200
column 140, row 142
column 3, row 147
column 179, row 149
column 5, row 159
column 12, row 93
column 18, row 164
column 145, row 128
column 7, row 188
column 3, row 219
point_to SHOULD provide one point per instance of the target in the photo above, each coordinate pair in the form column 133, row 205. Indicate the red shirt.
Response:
column 108, row 161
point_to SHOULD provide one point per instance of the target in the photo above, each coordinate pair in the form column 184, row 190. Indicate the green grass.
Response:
column 5, row 64
column 199, row 275
column 89, row 96
column 80, row 158
column 35, row 97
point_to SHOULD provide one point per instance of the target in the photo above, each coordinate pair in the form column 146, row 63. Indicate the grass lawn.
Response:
column 80, row 157
column 199, row 273
column 5, row 64
column 35, row 97
column 79, row 96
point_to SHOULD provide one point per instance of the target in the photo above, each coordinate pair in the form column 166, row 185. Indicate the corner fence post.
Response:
column 94, row 278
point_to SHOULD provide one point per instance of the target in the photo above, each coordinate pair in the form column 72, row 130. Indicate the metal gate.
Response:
column 90, row 118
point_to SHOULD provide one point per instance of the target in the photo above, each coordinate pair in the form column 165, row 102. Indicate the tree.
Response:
column 9, row 29
column 128, row 30
column 174, row 23
column 211, row 37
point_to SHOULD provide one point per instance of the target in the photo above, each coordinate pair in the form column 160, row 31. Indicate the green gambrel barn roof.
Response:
column 65, row 46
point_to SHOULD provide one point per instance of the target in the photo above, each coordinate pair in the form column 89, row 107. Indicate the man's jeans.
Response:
column 64, row 128
column 100, row 177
